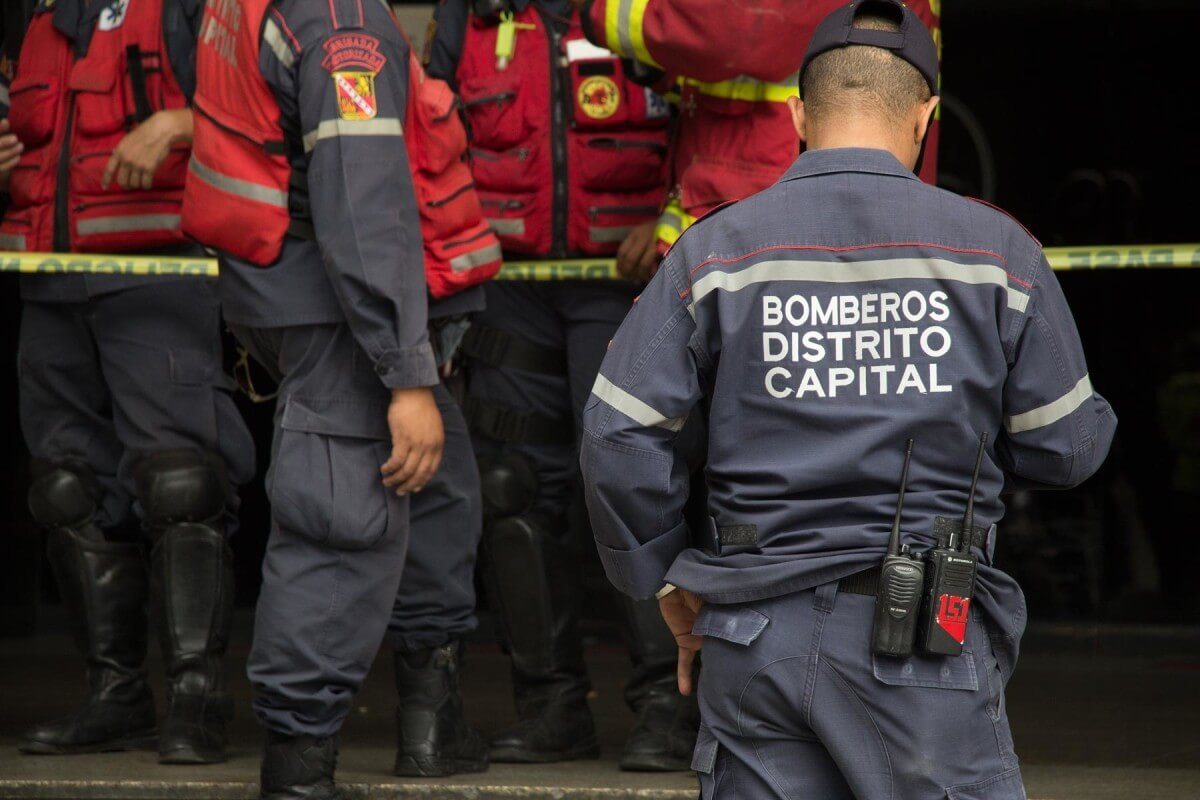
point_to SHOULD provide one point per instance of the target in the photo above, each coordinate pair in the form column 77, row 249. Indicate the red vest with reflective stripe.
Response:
column 70, row 114
column 237, row 195
column 567, row 153
column 237, row 190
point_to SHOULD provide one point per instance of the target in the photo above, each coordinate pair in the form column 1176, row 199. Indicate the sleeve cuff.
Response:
column 407, row 368
column 641, row 572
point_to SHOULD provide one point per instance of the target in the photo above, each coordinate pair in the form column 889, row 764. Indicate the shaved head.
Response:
column 863, row 80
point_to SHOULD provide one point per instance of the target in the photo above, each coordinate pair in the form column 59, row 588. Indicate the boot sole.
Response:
column 191, row 755
column 146, row 740
column 410, row 767
column 589, row 749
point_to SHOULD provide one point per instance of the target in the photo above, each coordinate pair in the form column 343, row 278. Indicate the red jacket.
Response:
column 70, row 114
column 238, row 194
column 736, row 63
column 568, row 154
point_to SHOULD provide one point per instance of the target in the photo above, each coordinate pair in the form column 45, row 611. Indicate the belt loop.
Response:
column 826, row 597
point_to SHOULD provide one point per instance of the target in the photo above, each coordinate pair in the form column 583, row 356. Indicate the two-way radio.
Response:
column 901, row 577
column 950, row 581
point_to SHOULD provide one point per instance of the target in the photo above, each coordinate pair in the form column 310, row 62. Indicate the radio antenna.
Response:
column 894, row 539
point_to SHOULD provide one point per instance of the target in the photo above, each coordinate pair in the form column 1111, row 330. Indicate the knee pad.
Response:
column 176, row 486
column 508, row 485
column 63, row 495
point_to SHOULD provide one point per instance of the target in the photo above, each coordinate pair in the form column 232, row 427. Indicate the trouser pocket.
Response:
column 325, row 482
column 1005, row 786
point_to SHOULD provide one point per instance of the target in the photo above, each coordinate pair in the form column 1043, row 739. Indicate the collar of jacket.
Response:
column 846, row 159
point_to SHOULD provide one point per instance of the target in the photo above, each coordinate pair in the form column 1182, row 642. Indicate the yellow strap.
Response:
column 1137, row 256
column 748, row 89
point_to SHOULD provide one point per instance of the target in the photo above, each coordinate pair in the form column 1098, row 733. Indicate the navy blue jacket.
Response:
column 366, row 267
column 818, row 325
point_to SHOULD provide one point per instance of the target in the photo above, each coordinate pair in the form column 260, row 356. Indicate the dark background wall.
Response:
column 1085, row 106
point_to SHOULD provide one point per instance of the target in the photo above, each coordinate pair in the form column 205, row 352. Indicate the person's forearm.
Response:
column 178, row 124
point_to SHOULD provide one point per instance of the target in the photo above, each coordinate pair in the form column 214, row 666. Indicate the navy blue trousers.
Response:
column 794, row 705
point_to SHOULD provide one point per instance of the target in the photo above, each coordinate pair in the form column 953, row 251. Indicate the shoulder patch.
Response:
column 995, row 207
column 352, row 51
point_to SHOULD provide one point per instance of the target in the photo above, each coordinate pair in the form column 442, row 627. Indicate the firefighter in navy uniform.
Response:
column 122, row 398
column 303, row 115
column 818, row 325
column 568, row 156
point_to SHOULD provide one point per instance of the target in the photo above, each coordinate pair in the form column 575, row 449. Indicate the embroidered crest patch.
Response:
column 353, row 59
column 353, row 51
column 599, row 97
column 356, row 95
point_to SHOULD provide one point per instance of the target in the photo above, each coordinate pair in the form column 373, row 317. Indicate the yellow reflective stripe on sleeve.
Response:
column 749, row 89
column 623, row 31
column 1051, row 412
column 632, row 407
column 672, row 223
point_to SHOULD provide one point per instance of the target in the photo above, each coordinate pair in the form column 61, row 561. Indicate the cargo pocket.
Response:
column 32, row 108
column 931, row 672
column 1005, row 786
column 497, row 118
column 325, row 481
column 706, row 761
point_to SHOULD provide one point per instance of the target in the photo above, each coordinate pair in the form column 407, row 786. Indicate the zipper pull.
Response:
column 506, row 38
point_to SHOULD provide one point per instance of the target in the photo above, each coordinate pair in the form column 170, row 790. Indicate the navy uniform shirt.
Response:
column 819, row 324
column 366, row 265
column 77, row 21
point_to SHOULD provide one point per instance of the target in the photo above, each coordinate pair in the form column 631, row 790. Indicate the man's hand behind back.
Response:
column 679, row 610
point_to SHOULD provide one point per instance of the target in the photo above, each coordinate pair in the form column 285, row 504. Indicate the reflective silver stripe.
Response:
column 4, row 94
column 330, row 128
column 475, row 258
column 1051, row 412
column 859, row 272
column 251, row 191
column 128, row 224
column 12, row 241
column 610, row 233
column 624, row 35
column 631, row 407
column 273, row 37
column 507, row 227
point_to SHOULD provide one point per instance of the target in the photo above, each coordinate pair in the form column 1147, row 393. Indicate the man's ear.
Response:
column 799, row 118
column 925, row 118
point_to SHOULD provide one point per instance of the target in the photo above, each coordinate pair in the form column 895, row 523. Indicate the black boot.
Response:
column 103, row 585
column 184, row 499
column 535, row 592
column 433, row 738
column 298, row 768
column 664, row 736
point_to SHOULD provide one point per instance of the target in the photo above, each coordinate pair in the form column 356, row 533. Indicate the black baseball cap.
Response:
column 912, row 42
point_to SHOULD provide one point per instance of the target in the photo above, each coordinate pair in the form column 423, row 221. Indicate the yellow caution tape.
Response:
column 105, row 264
column 1131, row 256
column 1139, row 256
